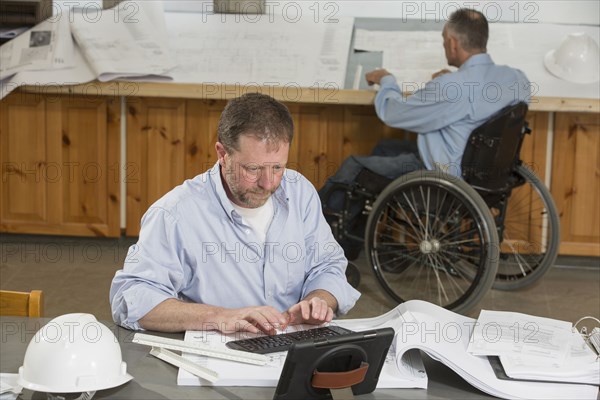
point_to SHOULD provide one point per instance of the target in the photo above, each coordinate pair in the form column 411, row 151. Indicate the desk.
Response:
column 155, row 379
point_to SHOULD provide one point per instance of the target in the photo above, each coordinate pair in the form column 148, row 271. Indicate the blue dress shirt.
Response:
column 448, row 108
column 194, row 246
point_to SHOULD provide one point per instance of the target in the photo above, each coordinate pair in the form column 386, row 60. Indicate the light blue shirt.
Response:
column 194, row 246
column 447, row 109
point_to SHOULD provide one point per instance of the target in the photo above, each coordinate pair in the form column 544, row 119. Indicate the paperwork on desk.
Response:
column 407, row 372
column 9, row 389
column 134, row 44
column 127, row 45
column 419, row 325
column 47, row 46
column 535, row 348
column 413, row 56
column 117, row 44
column 265, row 50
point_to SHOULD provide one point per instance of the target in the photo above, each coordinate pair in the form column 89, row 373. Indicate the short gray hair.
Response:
column 471, row 28
column 257, row 115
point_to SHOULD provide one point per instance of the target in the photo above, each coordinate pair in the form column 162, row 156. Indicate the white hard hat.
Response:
column 576, row 60
column 73, row 353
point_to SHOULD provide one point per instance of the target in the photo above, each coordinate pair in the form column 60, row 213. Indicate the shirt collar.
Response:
column 216, row 180
column 477, row 59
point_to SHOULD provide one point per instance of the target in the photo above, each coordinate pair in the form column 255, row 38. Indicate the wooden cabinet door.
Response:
column 60, row 165
column 168, row 141
column 576, row 181
column 23, row 152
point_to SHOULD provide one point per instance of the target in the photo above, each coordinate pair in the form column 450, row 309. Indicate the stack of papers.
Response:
column 116, row 45
column 535, row 348
column 442, row 334
column 137, row 41
column 397, row 372
column 9, row 389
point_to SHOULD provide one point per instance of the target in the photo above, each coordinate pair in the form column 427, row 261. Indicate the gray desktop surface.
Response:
column 155, row 379
column 372, row 59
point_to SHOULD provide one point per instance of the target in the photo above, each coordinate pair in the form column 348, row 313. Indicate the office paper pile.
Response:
column 535, row 348
column 77, row 47
column 445, row 336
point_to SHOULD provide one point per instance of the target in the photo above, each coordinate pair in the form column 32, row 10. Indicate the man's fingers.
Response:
column 321, row 309
column 318, row 312
column 329, row 316
column 268, row 320
column 306, row 308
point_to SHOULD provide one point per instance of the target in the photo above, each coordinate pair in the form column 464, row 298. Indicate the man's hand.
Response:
column 316, row 308
column 251, row 319
column 374, row 77
column 314, row 311
column 441, row 72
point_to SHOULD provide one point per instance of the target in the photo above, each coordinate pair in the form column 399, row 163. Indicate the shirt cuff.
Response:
column 139, row 301
column 388, row 80
column 345, row 295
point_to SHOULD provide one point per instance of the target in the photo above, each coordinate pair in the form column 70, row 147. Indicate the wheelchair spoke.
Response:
column 530, row 233
column 426, row 202
column 398, row 228
column 518, row 259
column 413, row 208
column 430, row 241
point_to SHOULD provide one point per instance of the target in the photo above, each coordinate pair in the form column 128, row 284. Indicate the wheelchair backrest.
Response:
column 492, row 151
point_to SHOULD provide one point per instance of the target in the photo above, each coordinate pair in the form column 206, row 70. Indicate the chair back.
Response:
column 22, row 304
column 492, row 151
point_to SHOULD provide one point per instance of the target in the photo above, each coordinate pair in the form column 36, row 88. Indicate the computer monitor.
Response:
column 345, row 358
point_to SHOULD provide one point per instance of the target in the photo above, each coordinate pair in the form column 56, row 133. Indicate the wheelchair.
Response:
column 433, row 236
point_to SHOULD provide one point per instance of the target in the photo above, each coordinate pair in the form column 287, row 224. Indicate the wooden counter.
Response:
column 287, row 94
column 62, row 169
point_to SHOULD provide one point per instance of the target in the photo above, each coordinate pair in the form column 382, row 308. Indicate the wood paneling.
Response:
column 310, row 154
column 23, row 156
column 576, row 182
column 155, row 151
column 533, row 150
column 61, row 172
column 168, row 141
column 60, row 159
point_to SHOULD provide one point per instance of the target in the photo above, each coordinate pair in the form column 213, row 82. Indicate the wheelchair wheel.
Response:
column 530, row 236
column 430, row 236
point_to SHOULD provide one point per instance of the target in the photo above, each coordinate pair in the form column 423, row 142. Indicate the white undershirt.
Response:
column 258, row 219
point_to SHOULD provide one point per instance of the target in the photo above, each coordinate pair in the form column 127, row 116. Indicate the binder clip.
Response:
column 591, row 338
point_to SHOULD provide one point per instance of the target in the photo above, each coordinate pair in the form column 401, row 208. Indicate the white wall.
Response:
column 540, row 11
column 573, row 12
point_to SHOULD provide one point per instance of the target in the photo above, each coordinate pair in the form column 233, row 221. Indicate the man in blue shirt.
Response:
column 443, row 113
column 241, row 247
column 452, row 105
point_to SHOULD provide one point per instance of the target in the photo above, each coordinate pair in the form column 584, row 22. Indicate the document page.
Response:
column 581, row 365
column 407, row 372
column 445, row 336
column 413, row 56
column 506, row 333
column 46, row 46
column 419, row 325
column 127, row 42
column 262, row 50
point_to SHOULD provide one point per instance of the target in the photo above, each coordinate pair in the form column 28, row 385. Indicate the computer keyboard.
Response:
column 283, row 341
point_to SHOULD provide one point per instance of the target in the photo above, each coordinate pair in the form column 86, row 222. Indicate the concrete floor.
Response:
column 75, row 275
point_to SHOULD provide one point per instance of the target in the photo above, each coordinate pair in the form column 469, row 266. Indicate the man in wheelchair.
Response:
column 444, row 113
